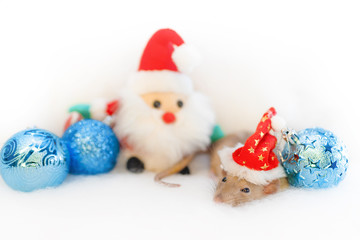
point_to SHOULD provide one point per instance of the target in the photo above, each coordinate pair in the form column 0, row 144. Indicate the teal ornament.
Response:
column 93, row 147
column 314, row 158
column 34, row 159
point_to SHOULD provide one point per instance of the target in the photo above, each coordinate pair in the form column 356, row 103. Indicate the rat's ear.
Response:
column 272, row 187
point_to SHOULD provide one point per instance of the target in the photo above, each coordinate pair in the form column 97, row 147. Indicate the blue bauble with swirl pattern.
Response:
column 93, row 147
column 34, row 159
column 314, row 158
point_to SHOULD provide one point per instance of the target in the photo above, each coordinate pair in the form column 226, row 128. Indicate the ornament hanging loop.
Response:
column 291, row 143
column 290, row 136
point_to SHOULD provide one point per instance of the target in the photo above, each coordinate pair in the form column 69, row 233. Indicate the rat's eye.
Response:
column 180, row 103
column 224, row 179
column 156, row 104
column 245, row 190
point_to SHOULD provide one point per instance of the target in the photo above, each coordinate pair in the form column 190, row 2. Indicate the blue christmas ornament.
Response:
column 93, row 147
column 314, row 158
column 34, row 159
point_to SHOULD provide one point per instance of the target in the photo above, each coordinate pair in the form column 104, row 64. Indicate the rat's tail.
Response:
column 172, row 170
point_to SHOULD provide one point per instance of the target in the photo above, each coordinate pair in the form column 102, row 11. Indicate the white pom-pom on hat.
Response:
column 186, row 57
column 278, row 123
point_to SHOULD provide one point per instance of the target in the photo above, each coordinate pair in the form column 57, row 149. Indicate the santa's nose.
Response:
column 168, row 117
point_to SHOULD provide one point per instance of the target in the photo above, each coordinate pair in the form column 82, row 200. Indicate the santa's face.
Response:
column 168, row 103
column 164, row 126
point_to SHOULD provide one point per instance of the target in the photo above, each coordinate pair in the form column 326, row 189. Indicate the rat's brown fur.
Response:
column 229, row 141
column 231, row 189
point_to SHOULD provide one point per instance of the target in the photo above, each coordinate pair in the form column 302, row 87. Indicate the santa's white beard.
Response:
column 157, row 144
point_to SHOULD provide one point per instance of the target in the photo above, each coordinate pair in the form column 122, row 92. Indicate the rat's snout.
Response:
column 218, row 198
column 168, row 117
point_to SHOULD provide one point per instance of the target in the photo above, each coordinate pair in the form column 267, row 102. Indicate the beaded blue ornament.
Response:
column 34, row 159
column 314, row 158
column 93, row 147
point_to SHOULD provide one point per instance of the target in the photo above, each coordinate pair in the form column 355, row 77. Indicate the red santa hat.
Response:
column 164, row 64
column 255, row 161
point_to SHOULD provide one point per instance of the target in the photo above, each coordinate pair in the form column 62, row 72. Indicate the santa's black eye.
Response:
column 224, row 179
column 156, row 104
column 180, row 104
column 245, row 190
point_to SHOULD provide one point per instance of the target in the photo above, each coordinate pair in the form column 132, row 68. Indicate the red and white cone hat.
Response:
column 164, row 64
column 255, row 161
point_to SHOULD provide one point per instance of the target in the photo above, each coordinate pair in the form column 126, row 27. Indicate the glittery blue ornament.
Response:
column 93, row 147
column 34, row 159
column 314, row 158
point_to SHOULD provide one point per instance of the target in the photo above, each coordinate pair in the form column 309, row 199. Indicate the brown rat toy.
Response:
column 251, row 171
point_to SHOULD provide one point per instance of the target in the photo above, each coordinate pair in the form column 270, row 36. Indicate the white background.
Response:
column 302, row 57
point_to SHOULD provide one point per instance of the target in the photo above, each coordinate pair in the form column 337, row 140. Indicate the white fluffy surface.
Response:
column 301, row 57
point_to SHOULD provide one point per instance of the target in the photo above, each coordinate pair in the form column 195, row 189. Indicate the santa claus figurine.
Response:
column 159, row 118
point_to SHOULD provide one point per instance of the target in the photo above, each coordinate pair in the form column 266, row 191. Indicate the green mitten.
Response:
column 217, row 133
column 83, row 109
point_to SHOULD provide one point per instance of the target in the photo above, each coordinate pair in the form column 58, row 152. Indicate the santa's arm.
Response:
column 99, row 109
